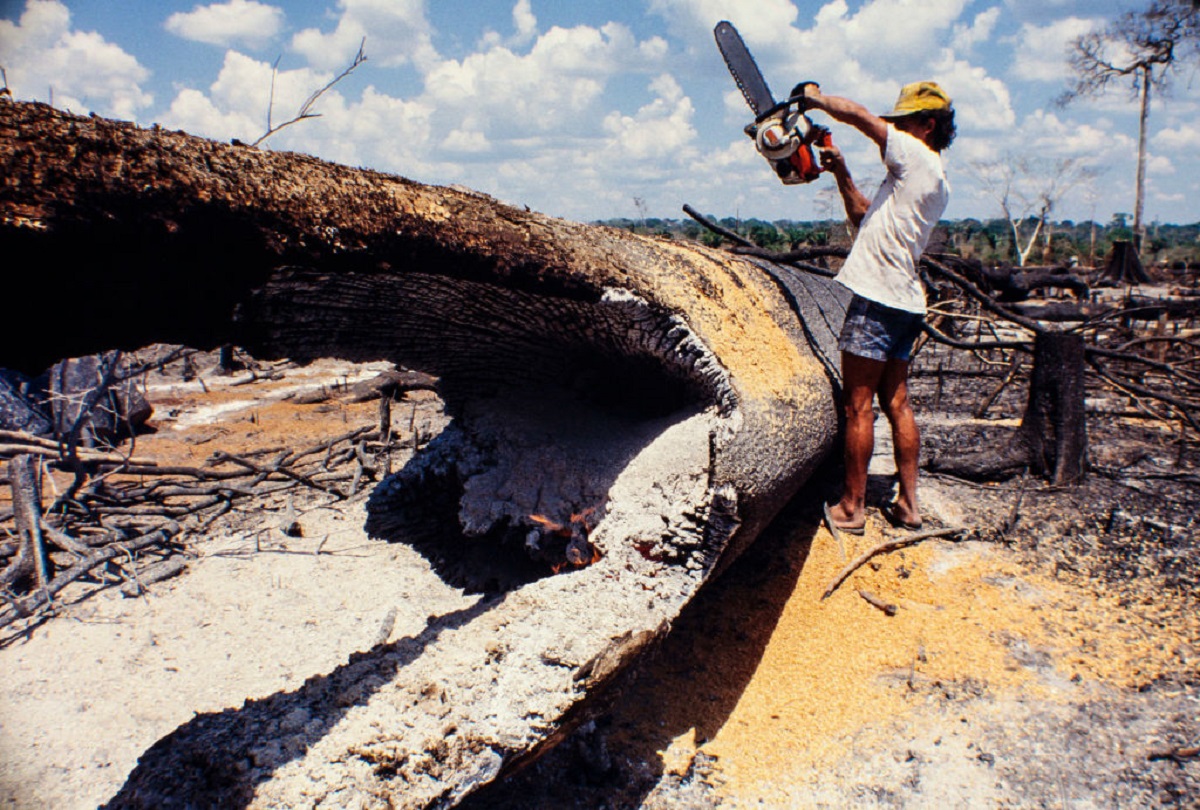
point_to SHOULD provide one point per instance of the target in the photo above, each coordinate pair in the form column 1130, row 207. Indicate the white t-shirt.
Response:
column 882, row 265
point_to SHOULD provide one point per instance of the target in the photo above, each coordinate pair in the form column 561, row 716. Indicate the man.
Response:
column 888, row 307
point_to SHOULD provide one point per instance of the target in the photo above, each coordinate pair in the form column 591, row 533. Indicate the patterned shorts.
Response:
column 878, row 332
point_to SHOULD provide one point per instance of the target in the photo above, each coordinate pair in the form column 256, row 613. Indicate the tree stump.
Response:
column 1054, row 428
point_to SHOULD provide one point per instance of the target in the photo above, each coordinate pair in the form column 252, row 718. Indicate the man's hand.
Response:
column 832, row 159
column 813, row 99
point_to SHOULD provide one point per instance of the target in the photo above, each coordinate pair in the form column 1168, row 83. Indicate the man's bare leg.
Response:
column 906, row 437
column 860, row 379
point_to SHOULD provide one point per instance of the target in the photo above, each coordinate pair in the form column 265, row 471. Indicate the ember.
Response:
column 579, row 551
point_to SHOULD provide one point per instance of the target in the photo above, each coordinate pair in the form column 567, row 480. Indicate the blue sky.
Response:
column 593, row 109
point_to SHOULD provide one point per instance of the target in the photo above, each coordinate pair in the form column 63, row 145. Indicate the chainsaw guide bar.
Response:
column 782, row 133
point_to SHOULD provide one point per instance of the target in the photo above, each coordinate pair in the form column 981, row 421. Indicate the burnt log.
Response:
column 651, row 402
column 1061, row 311
column 1010, row 284
column 92, row 398
column 1145, row 308
column 19, row 408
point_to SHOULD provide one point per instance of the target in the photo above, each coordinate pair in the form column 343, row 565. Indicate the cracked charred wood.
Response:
column 662, row 400
column 1144, row 308
column 1061, row 311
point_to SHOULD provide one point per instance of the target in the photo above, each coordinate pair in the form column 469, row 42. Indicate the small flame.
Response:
column 580, row 552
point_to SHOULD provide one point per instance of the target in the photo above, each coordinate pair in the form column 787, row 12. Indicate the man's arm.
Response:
column 849, row 112
column 855, row 201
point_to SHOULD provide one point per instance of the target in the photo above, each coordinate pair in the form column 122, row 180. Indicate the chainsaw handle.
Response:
column 800, row 96
column 798, row 99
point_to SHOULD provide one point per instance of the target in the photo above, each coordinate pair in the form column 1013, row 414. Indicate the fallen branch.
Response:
column 306, row 108
column 885, row 547
column 736, row 238
column 280, row 469
column 873, row 600
column 43, row 596
column 837, row 534
column 85, row 456
column 151, row 574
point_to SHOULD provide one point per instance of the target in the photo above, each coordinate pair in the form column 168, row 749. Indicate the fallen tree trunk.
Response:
column 655, row 403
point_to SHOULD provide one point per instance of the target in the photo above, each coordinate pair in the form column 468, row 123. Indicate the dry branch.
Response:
column 871, row 599
column 885, row 547
column 142, row 495
column 305, row 111
column 736, row 238
column 26, row 606
column 1178, row 754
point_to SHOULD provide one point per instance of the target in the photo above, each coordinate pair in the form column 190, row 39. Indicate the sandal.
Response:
column 833, row 524
column 890, row 515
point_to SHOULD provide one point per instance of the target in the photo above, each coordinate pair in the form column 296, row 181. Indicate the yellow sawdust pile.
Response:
column 790, row 696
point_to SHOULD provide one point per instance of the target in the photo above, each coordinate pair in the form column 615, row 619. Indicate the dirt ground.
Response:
column 1050, row 659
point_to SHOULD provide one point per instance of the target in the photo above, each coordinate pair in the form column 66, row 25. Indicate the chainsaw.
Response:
column 781, row 131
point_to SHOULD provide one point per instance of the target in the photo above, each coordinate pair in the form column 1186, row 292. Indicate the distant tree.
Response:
column 1145, row 48
column 1027, row 190
column 640, row 204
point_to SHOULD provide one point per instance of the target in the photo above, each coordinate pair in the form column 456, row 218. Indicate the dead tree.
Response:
column 1143, row 50
column 590, row 372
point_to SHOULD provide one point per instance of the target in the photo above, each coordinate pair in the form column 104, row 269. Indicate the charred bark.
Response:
column 672, row 397
column 1124, row 266
column 1054, row 427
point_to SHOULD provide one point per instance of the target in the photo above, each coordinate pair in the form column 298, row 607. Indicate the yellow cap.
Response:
column 919, row 97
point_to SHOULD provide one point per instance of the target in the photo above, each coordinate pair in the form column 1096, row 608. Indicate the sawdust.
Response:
column 969, row 617
column 726, row 309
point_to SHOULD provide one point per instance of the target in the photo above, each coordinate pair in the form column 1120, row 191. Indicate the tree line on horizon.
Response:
column 990, row 241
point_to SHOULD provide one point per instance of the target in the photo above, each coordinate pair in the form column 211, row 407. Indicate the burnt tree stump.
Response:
column 1054, row 427
column 1052, row 438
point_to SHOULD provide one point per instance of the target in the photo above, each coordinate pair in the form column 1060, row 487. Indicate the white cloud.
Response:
column 658, row 131
column 762, row 22
column 553, row 88
column 1185, row 137
column 966, row 37
column 981, row 102
column 885, row 31
column 194, row 112
column 466, row 142
column 83, row 71
column 397, row 32
column 524, row 22
column 1040, row 52
column 1160, row 166
column 1045, row 134
column 245, row 22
